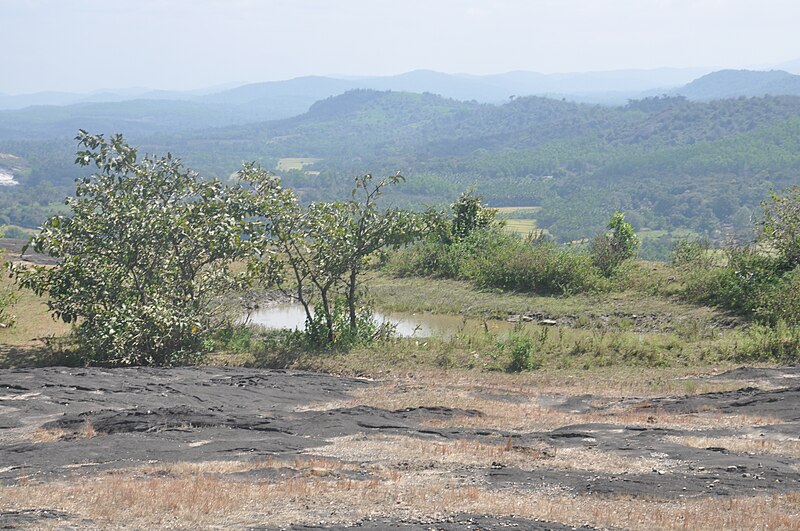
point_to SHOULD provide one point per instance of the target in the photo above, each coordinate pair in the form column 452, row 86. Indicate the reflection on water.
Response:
column 292, row 316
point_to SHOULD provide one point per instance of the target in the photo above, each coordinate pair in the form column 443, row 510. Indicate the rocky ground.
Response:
column 232, row 447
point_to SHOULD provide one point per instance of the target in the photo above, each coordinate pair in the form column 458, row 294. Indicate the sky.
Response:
column 85, row 45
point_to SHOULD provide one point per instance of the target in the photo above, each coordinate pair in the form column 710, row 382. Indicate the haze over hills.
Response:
column 736, row 83
column 140, row 110
column 792, row 66
column 296, row 95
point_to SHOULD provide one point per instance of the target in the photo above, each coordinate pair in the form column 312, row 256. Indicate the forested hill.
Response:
column 669, row 162
column 672, row 164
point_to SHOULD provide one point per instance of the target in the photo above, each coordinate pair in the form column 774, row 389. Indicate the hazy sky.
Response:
column 80, row 45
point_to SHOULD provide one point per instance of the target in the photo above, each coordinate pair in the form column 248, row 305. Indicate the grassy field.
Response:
column 521, row 220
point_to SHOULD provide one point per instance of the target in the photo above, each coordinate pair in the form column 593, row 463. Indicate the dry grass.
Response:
column 612, row 383
column 44, row 436
column 745, row 444
column 311, row 465
column 295, row 163
column 207, row 501
column 33, row 320
column 50, row 435
column 394, row 450
column 525, row 413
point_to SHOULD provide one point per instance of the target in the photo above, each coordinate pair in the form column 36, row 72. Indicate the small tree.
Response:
column 143, row 256
column 327, row 245
column 469, row 213
column 780, row 227
column 610, row 249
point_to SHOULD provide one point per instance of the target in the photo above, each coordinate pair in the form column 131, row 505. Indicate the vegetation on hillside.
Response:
column 675, row 167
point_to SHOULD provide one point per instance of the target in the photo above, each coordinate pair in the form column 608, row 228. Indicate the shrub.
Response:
column 779, row 301
column 542, row 268
column 610, row 249
column 521, row 348
column 495, row 259
column 469, row 214
column 315, row 336
column 689, row 253
column 779, row 344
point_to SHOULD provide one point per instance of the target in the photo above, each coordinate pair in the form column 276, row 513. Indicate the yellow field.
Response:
column 523, row 226
column 296, row 163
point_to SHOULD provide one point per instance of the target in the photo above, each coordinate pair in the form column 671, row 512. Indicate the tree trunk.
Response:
column 328, row 315
column 351, row 299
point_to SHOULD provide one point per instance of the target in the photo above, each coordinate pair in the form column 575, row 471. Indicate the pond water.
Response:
column 292, row 316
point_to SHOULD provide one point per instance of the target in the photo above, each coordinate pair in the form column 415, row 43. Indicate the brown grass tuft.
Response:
column 745, row 444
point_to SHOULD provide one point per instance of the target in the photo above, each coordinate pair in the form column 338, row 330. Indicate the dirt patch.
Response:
column 13, row 249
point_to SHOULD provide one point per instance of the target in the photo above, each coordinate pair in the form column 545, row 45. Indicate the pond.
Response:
column 292, row 316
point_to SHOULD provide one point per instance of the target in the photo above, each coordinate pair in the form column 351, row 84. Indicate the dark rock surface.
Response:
column 144, row 416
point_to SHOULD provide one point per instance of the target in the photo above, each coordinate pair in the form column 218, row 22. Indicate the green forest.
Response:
column 676, row 167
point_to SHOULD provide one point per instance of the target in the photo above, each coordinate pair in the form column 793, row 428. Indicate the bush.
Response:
column 779, row 301
column 426, row 259
column 521, row 348
column 495, row 259
column 469, row 214
column 778, row 344
column 543, row 268
column 749, row 283
column 316, row 337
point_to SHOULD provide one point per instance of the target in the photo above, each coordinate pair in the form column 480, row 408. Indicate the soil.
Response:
column 107, row 419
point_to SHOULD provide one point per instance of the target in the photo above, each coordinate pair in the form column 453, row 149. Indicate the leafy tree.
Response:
column 327, row 245
column 143, row 256
column 610, row 249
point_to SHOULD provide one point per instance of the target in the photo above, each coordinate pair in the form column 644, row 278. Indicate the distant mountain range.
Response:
column 296, row 95
column 146, row 110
